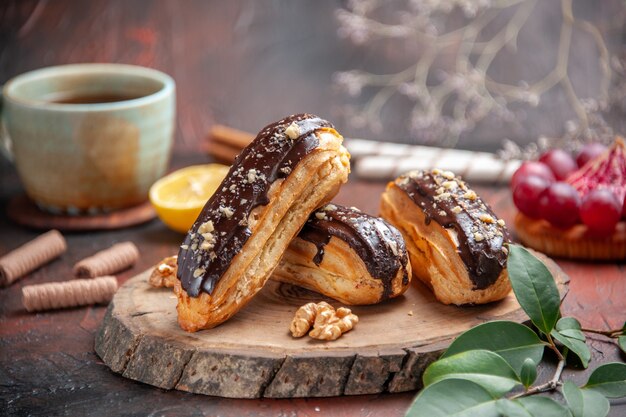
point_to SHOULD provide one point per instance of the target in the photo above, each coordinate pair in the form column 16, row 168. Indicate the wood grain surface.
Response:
column 253, row 354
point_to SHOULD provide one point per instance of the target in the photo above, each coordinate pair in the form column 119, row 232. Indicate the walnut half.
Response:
column 164, row 274
column 327, row 323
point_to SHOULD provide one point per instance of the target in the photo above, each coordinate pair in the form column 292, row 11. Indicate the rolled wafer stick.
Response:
column 78, row 292
column 109, row 261
column 375, row 160
column 472, row 166
column 31, row 256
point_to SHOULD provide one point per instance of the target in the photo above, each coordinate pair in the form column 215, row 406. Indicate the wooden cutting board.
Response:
column 253, row 354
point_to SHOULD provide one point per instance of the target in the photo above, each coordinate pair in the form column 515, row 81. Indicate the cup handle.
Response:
column 5, row 140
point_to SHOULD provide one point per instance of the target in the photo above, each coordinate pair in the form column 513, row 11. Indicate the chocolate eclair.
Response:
column 347, row 255
column 292, row 167
column 456, row 243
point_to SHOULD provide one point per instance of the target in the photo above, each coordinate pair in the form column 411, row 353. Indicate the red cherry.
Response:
column 526, row 195
column 600, row 211
column 588, row 152
column 534, row 168
column 560, row 162
column 559, row 205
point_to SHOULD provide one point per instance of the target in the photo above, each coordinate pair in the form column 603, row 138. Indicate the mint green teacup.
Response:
column 89, row 138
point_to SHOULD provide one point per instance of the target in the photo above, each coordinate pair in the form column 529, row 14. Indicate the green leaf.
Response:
column 485, row 368
column 621, row 341
column 574, row 334
column 531, row 407
column 510, row 408
column 567, row 323
column 609, row 380
column 534, row 288
column 577, row 347
column 543, row 407
column 454, row 398
column 585, row 403
column 513, row 341
column 529, row 372
column 570, row 327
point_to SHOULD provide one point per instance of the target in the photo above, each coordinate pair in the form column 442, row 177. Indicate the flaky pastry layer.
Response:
column 574, row 243
column 433, row 253
column 314, row 181
column 342, row 274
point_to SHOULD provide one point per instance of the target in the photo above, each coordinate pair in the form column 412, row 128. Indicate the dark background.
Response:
column 246, row 63
column 241, row 63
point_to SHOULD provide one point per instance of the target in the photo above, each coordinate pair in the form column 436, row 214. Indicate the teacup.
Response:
column 89, row 138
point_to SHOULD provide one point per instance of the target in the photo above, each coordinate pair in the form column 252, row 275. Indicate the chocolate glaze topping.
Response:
column 379, row 244
column 447, row 200
column 221, row 229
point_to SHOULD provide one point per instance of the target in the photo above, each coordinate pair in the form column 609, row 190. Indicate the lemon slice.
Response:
column 179, row 197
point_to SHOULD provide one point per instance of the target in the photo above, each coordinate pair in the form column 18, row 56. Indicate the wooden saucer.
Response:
column 23, row 211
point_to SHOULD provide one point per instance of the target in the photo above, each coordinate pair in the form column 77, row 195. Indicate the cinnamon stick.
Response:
column 230, row 136
column 221, row 152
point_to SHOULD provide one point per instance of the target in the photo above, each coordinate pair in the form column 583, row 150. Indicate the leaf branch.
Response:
column 552, row 384
column 555, row 349
column 449, row 102
column 555, row 381
column 614, row 333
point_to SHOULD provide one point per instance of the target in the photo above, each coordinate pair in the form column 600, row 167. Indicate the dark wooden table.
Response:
column 48, row 365
column 229, row 68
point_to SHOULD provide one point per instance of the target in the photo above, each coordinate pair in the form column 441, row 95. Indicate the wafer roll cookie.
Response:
column 31, row 256
column 473, row 166
column 109, row 261
column 73, row 293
